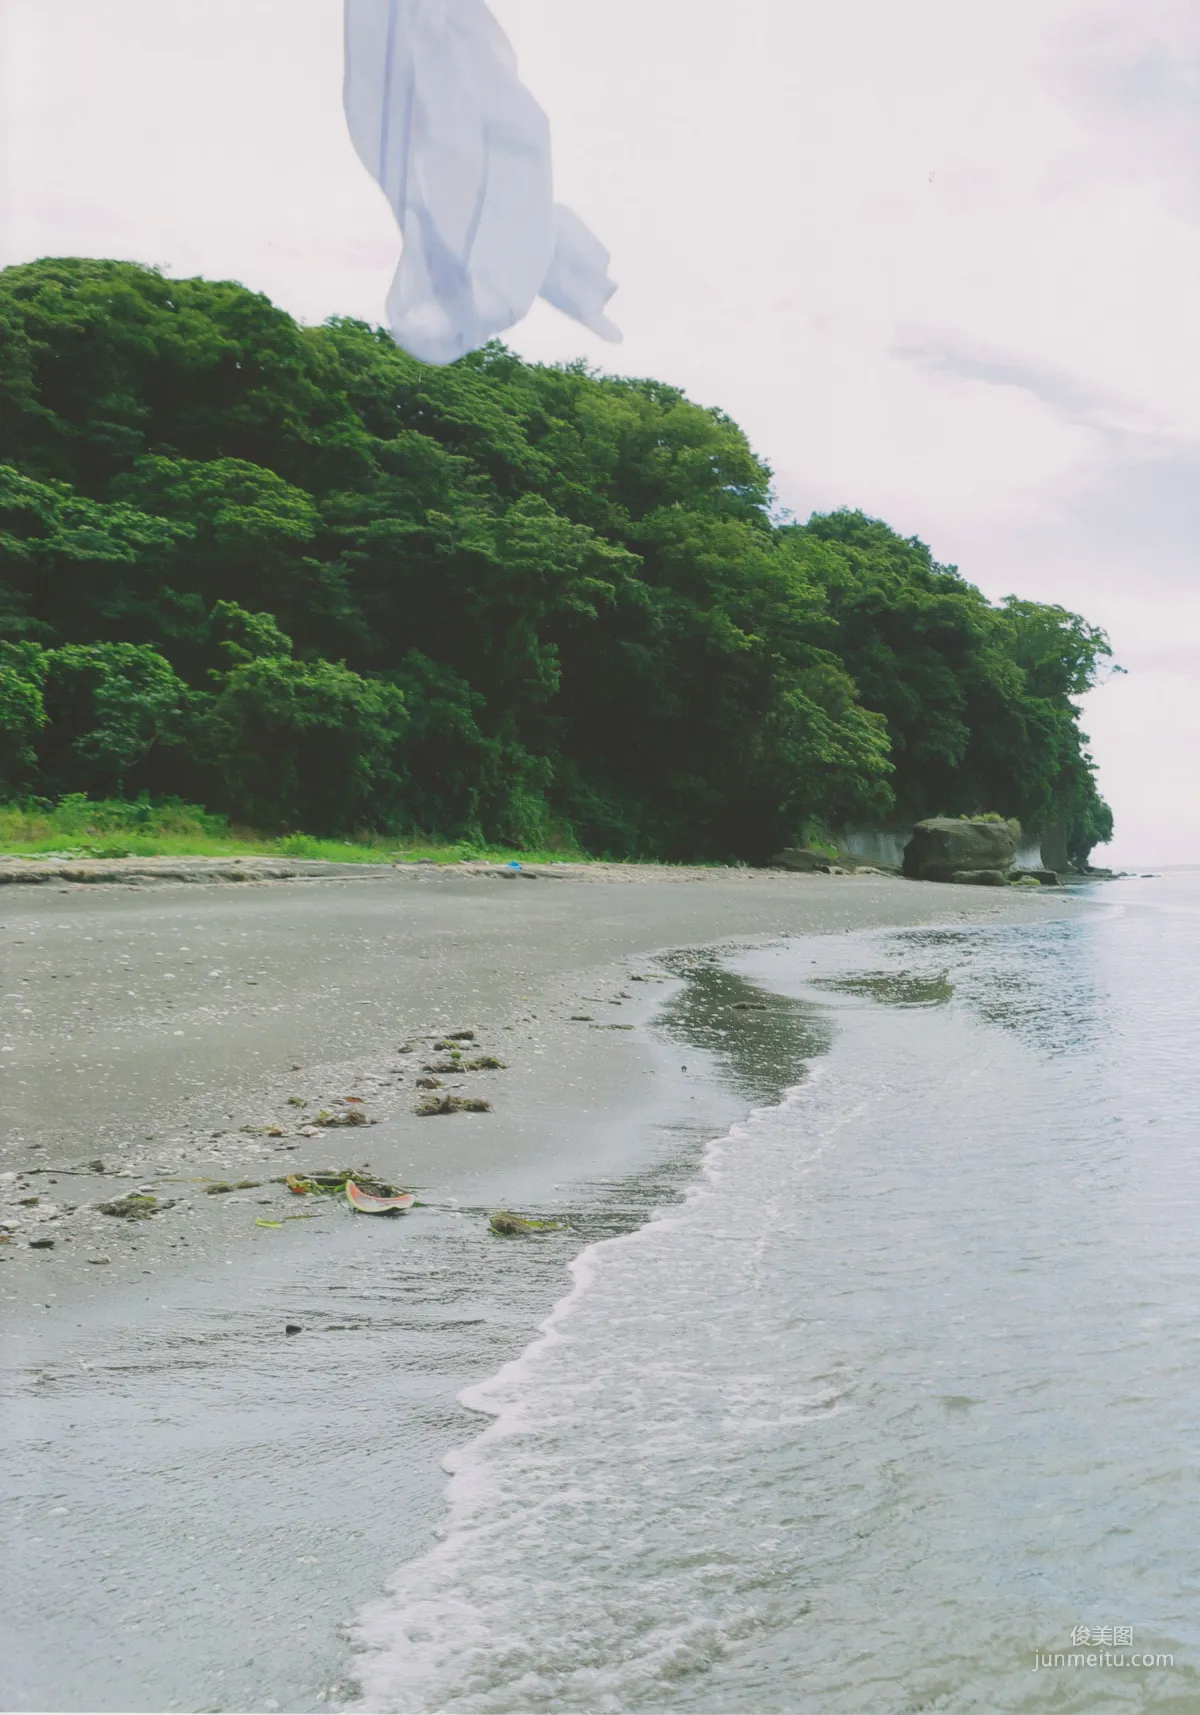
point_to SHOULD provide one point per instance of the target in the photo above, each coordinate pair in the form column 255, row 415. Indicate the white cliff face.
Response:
column 881, row 845
column 876, row 845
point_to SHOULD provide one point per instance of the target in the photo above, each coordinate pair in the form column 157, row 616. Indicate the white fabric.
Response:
column 461, row 150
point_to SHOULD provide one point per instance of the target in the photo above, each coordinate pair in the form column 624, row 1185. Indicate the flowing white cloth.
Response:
column 461, row 151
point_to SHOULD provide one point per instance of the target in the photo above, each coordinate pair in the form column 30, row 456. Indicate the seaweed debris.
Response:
column 332, row 1183
column 135, row 1206
column 506, row 1225
column 445, row 1103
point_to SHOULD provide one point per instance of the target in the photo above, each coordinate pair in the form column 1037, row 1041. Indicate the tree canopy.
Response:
column 300, row 576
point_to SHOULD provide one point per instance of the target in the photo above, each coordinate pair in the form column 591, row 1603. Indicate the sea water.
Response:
column 898, row 1408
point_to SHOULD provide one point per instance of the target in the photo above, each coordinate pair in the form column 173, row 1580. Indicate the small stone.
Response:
column 293, row 1328
column 41, row 1244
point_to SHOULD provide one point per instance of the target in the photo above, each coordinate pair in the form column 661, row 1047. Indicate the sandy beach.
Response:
column 198, row 1500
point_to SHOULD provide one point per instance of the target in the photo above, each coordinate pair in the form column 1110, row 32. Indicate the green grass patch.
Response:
column 79, row 827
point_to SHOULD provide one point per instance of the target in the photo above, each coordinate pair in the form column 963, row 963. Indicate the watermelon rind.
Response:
column 365, row 1204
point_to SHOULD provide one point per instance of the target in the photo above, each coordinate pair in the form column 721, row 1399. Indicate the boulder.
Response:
column 798, row 858
column 947, row 848
column 980, row 877
column 1044, row 877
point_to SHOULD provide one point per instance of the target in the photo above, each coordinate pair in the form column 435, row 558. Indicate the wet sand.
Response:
column 198, row 1500
column 163, row 1031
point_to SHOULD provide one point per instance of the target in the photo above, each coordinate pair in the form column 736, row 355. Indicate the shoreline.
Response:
column 169, row 1347
column 180, row 1035
column 48, row 869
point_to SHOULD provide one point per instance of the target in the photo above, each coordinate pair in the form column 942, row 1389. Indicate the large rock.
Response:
column 808, row 862
column 800, row 859
column 944, row 848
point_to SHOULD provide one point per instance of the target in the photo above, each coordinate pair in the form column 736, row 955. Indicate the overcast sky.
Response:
column 940, row 258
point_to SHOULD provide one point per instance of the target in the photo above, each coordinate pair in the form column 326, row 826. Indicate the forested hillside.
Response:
column 297, row 576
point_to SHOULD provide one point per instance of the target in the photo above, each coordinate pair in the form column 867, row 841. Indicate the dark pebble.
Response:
column 293, row 1328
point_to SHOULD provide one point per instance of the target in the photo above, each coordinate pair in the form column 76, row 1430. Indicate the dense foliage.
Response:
column 298, row 576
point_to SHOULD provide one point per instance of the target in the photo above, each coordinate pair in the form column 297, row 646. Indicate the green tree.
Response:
column 307, row 745
column 977, row 697
column 111, row 709
column 22, row 713
column 74, row 569
column 497, row 599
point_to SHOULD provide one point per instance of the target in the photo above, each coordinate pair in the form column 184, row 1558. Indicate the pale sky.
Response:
column 940, row 259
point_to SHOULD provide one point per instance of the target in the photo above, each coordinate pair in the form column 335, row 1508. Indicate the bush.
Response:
column 307, row 744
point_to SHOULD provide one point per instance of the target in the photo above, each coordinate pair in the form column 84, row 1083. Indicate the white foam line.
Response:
column 505, row 1397
column 483, row 1396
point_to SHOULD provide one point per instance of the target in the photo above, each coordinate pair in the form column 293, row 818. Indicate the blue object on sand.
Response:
column 514, row 865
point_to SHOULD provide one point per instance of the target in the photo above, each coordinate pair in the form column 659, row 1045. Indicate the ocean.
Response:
column 890, row 1406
